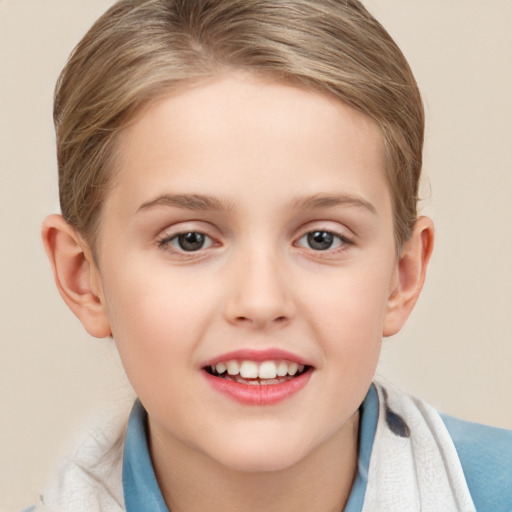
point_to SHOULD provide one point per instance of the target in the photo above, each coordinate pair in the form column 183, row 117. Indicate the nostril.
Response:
column 247, row 320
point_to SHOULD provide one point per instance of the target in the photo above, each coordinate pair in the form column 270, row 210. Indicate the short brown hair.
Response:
column 140, row 49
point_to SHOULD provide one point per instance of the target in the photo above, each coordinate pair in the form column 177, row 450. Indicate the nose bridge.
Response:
column 260, row 292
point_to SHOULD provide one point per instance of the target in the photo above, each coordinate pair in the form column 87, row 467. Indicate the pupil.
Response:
column 320, row 240
column 191, row 241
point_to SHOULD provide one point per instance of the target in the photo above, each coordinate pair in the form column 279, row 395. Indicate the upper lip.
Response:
column 258, row 355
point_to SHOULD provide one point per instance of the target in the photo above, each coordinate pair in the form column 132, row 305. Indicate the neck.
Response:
column 321, row 481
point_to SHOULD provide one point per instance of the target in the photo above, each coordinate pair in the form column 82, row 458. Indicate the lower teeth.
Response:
column 255, row 382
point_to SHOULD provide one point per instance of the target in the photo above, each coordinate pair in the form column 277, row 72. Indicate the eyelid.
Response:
column 330, row 226
column 173, row 232
column 341, row 237
column 346, row 235
column 169, row 240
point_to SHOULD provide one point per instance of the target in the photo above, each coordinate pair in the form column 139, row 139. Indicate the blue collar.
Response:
column 369, row 411
column 140, row 487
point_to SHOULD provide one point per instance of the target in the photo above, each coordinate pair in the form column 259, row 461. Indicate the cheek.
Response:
column 153, row 298
column 347, row 315
column 350, row 301
column 156, row 320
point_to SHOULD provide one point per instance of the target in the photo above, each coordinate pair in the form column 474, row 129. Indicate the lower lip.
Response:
column 260, row 394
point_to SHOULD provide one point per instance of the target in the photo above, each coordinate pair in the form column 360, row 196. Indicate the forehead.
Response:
column 237, row 134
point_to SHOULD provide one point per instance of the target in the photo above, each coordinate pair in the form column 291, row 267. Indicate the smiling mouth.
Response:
column 254, row 373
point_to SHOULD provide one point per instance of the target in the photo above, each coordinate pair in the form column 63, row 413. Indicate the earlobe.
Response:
column 410, row 275
column 75, row 274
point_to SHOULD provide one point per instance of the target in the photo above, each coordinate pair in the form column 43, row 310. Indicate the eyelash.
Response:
column 343, row 243
column 167, row 242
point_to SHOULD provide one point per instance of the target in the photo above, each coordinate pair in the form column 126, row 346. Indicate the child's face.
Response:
column 290, row 255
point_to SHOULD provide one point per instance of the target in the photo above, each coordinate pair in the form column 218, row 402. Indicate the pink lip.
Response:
column 257, row 355
column 257, row 394
column 268, row 394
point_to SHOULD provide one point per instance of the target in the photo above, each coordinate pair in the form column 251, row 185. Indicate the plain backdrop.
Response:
column 456, row 350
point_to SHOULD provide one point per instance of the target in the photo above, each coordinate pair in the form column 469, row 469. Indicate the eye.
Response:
column 322, row 240
column 188, row 242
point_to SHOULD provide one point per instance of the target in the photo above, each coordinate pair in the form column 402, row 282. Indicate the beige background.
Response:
column 457, row 348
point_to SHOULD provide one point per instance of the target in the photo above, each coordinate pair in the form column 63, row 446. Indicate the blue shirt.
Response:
column 485, row 454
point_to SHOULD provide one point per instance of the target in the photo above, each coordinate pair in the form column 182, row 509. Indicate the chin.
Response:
column 259, row 457
column 259, row 464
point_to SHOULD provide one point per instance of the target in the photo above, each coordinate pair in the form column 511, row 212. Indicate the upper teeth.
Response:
column 262, row 370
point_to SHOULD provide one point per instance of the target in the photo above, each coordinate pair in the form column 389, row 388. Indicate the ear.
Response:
column 410, row 275
column 76, row 274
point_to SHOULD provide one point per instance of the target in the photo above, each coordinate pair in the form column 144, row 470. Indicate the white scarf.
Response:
column 91, row 479
column 413, row 466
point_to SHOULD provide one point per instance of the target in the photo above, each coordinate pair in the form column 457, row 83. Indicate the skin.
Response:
column 264, row 153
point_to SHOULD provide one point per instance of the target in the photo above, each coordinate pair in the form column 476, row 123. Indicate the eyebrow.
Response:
column 187, row 202
column 200, row 202
column 319, row 201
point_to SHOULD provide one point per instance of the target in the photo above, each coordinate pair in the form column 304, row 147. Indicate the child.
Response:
column 238, row 183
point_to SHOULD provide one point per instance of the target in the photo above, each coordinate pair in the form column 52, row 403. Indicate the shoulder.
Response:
column 90, row 478
column 482, row 454
column 485, row 454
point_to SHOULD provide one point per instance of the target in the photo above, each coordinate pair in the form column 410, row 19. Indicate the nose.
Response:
column 259, row 293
